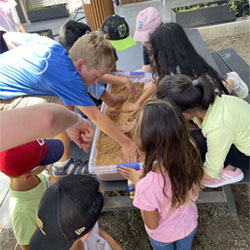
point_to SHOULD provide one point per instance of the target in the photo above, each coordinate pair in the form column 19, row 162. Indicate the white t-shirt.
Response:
column 9, row 20
column 95, row 241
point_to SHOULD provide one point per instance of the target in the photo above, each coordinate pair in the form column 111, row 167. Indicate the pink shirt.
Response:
column 173, row 224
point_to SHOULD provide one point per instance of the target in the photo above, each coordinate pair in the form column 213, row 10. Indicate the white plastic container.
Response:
column 110, row 173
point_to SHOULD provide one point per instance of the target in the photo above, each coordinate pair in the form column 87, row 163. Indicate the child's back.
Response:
column 23, row 207
column 168, row 185
column 173, row 223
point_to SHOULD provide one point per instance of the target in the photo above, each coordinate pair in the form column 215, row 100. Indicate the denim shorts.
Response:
column 181, row 244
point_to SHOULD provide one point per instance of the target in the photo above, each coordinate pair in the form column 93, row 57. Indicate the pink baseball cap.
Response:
column 146, row 22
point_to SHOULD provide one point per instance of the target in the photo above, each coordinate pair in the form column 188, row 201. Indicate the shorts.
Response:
column 24, row 101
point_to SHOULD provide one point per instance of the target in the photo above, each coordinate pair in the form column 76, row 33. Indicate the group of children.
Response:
column 185, row 88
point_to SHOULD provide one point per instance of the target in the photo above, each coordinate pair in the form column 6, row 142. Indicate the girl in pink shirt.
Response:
column 168, row 185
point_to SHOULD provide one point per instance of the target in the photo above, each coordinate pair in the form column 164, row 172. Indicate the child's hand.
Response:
column 82, row 135
column 130, row 174
column 117, row 100
column 133, row 108
column 128, row 126
column 129, row 85
column 131, row 152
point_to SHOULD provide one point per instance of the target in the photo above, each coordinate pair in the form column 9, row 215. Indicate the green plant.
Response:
column 29, row 8
column 196, row 7
column 240, row 7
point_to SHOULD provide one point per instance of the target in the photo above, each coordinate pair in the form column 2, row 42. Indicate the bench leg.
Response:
column 229, row 197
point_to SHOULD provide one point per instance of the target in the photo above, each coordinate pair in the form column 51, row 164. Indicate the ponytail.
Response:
column 207, row 92
column 187, row 93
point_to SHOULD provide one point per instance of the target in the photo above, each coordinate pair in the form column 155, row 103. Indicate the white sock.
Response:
column 236, row 82
column 61, row 164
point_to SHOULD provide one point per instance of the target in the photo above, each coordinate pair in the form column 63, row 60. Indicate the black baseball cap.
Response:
column 67, row 211
column 118, row 32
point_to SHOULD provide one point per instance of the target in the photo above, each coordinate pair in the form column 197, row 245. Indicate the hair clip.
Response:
column 195, row 82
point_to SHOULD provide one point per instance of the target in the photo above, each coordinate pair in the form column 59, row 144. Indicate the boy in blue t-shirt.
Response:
column 68, row 35
column 41, row 70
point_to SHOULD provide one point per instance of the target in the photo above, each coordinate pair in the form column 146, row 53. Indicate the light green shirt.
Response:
column 226, row 122
column 23, row 207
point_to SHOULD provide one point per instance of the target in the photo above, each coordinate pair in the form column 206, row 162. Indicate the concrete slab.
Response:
column 225, row 29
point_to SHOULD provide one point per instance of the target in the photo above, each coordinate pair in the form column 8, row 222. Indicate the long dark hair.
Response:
column 173, row 53
column 185, row 93
column 162, row 134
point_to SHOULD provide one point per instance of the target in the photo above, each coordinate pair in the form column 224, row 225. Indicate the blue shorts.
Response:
column 96, row 90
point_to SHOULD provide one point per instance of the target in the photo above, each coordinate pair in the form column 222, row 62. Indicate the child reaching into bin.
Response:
column 178, row 56
column 168, row 184
column 68, row 34
column 146, row 22
column 224, row 121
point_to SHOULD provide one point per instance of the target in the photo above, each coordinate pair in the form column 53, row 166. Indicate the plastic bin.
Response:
column 110, row 173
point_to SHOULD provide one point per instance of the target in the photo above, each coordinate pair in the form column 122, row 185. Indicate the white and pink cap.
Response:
column 146, row 22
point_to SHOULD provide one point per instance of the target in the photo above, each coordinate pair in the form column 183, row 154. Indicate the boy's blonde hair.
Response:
column 94, row 49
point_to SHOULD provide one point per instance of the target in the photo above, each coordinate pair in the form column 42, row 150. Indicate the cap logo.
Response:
column 141, row 25
column 80, row 230
column 40, row 142
column 40, row 225
column 122, row 30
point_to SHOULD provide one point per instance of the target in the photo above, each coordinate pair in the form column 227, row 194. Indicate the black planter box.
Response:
column 48, row 13
column 47, row 33
column 204, row 16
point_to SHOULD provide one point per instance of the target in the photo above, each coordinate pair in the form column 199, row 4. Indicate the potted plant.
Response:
column 203, row 14
column 48, row 12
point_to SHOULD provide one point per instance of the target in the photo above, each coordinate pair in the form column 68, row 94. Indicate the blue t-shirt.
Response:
column 96, row 90
column 41, row 67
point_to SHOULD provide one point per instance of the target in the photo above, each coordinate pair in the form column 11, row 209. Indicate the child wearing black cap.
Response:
column 67, row 217
column 24, row 164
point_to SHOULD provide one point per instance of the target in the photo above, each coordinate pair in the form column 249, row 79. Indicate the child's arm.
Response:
column 103, row 122
column 36, row 122
column 24, row 247
column 145, row 68
column 111, row 100
column 150, row 218
column 112, row 243
column 134, row 108
column 21, row 28
column 112, row 79
column 15, row 39
column 128, row 126
column 130, row 174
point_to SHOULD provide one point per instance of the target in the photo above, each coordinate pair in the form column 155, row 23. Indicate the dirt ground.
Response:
column 218, row 230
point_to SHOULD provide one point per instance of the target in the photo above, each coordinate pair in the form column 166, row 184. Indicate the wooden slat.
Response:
column 97, row 11
column 117, row 203
column 205, row 198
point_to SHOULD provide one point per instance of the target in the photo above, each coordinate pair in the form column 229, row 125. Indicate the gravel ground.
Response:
column 218, row 230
